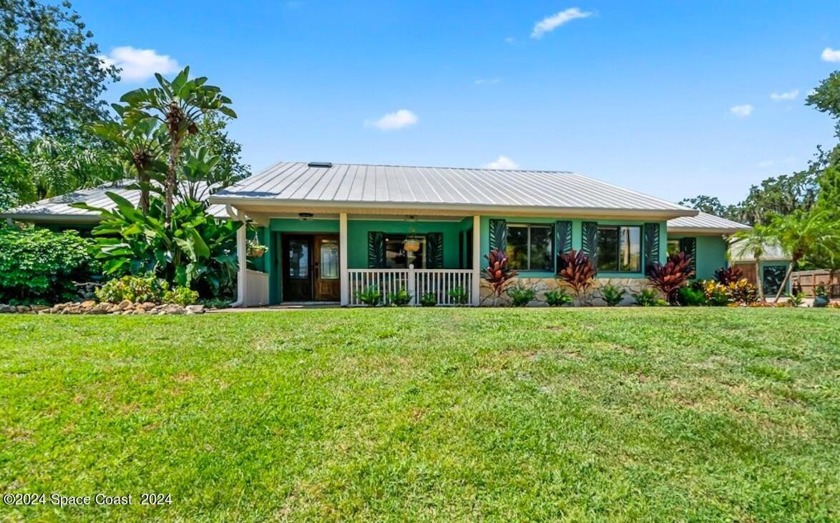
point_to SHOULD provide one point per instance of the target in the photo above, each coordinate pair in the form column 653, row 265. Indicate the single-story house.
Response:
column 334, row 230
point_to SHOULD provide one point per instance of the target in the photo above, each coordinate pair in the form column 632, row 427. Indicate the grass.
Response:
column 427, row 414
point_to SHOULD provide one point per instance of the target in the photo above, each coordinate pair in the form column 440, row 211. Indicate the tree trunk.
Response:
column 171, row 181
column 143, row 203
column 784, row 282
column 759, row 281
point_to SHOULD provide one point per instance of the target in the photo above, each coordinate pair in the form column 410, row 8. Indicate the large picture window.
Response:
column 396, row 257
column 619, row 248
column 529, row 247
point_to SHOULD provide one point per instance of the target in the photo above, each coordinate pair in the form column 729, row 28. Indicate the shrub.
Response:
column 138, row 289
column 612, row 294
column 38, row 265
column 459, row 296
column 578, row 271
column 742, row 292
column 647, row 298
column 558, row 297
column 727, row 275
column 401, row 298
column 498, row 273
column 429, row 299
column 181, row 296
column 370, row 296
column 691, row 297
column 668, row 278
column 196, row 251
column 795, row 299
column 717, row 295
column 521, row 296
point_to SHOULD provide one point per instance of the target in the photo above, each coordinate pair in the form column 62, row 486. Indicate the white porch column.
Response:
column 476, row 261
column 344, row 276
column 242, row 273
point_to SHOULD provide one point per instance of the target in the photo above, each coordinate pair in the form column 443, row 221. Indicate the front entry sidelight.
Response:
column 310, row 268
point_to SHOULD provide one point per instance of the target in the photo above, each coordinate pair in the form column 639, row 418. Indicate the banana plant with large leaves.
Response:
column 196, row 250
column 141, row 145
column 179, row 105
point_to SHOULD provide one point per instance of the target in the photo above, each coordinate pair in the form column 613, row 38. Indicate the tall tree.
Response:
column 141, row 146
column 826, row 98
column 51, row 75
column 179, row 105
column 707, row 204
column 213, row 136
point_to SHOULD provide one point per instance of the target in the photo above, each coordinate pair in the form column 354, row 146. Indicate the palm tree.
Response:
column 179, row 105
column 754, row 242
column 804, row 234
column 141, row 145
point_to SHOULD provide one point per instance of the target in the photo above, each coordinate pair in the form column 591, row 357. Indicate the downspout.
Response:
column 241, row 247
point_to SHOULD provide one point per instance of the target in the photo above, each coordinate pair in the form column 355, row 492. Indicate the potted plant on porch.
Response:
column 254, row 248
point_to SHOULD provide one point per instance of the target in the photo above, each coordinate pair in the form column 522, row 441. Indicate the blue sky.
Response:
column 669, row 98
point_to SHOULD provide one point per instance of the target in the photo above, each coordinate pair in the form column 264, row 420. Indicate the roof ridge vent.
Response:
column 321, row 165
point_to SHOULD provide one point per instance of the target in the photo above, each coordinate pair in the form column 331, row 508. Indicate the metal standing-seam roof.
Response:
column 58, row 209
column 705, row 223
column 351, row 185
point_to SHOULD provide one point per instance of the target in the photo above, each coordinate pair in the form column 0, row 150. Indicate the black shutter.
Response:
column 498, row 235
column 589, row 241
column 434, row 250
column 376, row 250
column 689, row 247
column 651, row 239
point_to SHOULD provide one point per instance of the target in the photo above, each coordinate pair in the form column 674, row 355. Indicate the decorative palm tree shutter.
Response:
column 498, row 235
column 434, row 250
column 589, row 241
column 689, row 247
column 651, row 240
column 562, row 240
column 376, row 250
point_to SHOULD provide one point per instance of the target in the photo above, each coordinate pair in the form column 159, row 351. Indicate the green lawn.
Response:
column 427, row 414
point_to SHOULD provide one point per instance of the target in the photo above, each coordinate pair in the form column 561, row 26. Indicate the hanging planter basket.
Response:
column 256, row 249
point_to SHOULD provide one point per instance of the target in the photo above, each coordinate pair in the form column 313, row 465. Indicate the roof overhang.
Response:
column 708, row 231
column 267, row 205
column 52, row 218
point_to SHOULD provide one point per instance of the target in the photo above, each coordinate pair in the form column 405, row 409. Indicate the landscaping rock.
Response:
column 125, row 305
column 195, row 309
column 23, row 308
column 7, row 309
column 87, row 304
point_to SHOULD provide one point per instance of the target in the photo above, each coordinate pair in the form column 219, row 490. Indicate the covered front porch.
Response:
column 336, row 258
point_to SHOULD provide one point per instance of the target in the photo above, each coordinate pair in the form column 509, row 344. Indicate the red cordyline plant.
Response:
column 727, row 275
column 668, row 278
column 578, row 271
column 498, row 273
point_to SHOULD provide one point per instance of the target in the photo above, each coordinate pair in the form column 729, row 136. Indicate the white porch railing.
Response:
column 443, row 283
column 256, row 288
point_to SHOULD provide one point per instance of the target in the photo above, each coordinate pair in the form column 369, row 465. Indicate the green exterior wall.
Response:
column 711, row 254
column 577, row 238
column 357, row 238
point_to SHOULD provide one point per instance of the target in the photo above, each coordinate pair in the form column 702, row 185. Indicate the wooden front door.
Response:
column 310, row 267
column 326, row 268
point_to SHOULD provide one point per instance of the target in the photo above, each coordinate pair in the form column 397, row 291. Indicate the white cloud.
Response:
column 765, row 164
column 510, row 40
column 831, row 55
column 393, row 121
column 487, row 81
column 781, row 97
column 550, row 23
column 741, row 111
column 502, row 162
column 139, row 65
